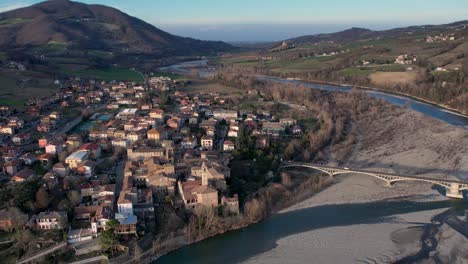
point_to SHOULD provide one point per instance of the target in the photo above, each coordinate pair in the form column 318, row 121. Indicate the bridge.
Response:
column 454, row 189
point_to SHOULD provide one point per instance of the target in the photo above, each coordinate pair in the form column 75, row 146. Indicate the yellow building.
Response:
column 76, row 158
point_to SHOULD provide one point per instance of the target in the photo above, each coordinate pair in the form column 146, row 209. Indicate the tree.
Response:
column 465, row 66
column 109, row 240
column 74, row 197
column 42, row 199
column 24, row 194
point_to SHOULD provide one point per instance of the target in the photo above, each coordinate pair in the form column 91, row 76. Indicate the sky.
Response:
column 274, row 20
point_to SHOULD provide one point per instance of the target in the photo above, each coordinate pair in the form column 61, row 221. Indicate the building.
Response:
column 127, row 113
column 51, row 220
column 157, row 114
column 76, row 158
column 142, row 152
column 93, row 149
column 74, row 141
column 61, row 169
column 54, row 147
column 207, row 142
column 228, row 145
column 23, row 175
column 87, row 168
column 194, row 193
column 120, row 143
column 231, row 205
column 156, row 134
column 273, row 128
column 79, row 235
column 224, row 114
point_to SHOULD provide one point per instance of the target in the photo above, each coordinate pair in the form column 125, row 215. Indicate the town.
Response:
column 97, row 164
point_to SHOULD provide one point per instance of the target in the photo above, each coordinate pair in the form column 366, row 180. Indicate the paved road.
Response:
column 43, row 253
column 119, row 171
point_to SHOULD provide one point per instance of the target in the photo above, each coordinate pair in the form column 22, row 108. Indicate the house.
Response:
column 142, row 152
column 23, row 175
column 76, row 158
column 102, row 215
column 46, row 159
column 55, row 147
column 231, row 205
column 43, row 142
column 127, row 224
column 84, row 213
column 156, row 134
column 120, row 143
column 133, row 137
column 96, row 135
column 79, row 235
column 28, row 159
column 87, row 168
column 86, row 190
column 207, row 142
column 51, row 220
column 7, row 130
column 272, row 128
column 157, row 114
column 188, row 143
column 12, row 167
column 287, row 122
column 74, row 141
column 21, row 139
column 297, row 130
column 50, row 179
column 228, row 145
column 232, row 133
column 93, row 149
column 61, row 169
column 224, row 114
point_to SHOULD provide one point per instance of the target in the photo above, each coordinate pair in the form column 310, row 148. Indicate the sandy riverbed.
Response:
column 387, row 241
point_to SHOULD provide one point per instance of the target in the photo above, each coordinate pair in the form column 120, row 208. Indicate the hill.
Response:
column 79, row 26
column 354, row 34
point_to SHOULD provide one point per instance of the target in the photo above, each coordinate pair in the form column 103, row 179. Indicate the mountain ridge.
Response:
column 82, row 26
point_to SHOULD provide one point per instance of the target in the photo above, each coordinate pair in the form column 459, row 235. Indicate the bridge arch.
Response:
column 365, row 173
column 306, row 166
column 454, row 188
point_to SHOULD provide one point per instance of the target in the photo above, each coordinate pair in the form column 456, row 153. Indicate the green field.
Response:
column 12, row 21
column 109, row 74
column 18, row 86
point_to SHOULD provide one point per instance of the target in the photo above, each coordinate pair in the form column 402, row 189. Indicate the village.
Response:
column 94, row 164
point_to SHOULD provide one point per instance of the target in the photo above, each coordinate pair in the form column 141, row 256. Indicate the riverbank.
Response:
column 368, row 88
column 266, row 201
column 387, row 240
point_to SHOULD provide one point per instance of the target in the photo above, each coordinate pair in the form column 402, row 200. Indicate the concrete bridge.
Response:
column 454, row 188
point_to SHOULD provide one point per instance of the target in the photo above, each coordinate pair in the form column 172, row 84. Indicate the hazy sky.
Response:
column 266, row 20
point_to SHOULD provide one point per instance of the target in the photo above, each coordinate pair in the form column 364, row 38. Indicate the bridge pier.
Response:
column 389, row 184
column 454, row 191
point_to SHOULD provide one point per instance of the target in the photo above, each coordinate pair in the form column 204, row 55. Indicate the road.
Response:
column 43, row 253
column 119, row 172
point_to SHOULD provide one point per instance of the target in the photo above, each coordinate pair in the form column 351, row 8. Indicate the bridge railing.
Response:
column 303, row 164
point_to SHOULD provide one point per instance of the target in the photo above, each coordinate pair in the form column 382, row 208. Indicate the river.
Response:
column 433, row 111
column 240, row 245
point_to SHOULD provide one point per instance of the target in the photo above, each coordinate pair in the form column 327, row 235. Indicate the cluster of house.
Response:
column 405, row 59
column 440, row 37
column 176, row 155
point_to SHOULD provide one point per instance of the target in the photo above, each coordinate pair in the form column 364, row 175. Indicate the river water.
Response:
column 240, row 245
